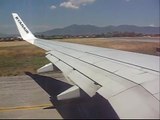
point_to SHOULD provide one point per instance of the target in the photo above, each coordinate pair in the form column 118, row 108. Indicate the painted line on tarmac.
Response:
column 41, row 106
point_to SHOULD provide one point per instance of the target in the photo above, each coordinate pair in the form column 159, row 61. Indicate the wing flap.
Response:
column 135, row 102
column 152, row 86
column 84, row 83
column 89, row 75
column 79, row 79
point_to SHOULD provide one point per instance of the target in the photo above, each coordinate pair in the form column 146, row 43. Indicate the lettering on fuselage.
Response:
column 25, row 29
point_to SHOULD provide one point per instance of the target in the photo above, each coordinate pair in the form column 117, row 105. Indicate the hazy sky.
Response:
column 42, row 15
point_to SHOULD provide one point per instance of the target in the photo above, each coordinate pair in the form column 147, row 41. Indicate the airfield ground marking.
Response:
column 5, row 109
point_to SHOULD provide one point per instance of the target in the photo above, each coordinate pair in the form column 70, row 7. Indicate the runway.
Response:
column 22, row 97
column 34, row 96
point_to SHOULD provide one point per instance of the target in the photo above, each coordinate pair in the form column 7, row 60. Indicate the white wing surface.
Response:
column 129, row 81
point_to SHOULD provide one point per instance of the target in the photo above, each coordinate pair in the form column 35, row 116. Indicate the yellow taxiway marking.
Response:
column 5, row 109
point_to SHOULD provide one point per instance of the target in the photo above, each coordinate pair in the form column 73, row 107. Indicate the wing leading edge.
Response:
column 127, row 83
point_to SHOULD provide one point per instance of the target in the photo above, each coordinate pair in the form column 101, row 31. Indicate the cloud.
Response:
column 75, row 4
column 69, row 5
column 53, row 7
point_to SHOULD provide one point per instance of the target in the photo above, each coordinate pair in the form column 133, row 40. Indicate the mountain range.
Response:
column 8, row 35
column 3, row 35
column 91, row 29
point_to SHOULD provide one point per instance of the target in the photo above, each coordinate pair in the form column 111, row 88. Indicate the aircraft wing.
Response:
column 129, row 81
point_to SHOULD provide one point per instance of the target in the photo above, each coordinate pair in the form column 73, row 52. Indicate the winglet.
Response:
column 23, row 30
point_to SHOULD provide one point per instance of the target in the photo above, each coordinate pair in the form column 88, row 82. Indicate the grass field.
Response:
column 133, row 46
column 19, row 56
